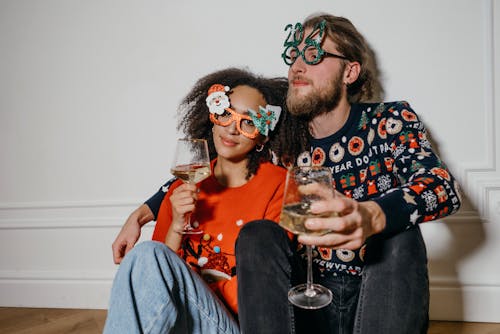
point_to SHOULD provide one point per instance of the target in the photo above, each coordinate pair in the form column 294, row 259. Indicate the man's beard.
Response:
column 317, row 102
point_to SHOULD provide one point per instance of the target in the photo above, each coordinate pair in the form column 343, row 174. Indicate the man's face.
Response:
column 315, row 89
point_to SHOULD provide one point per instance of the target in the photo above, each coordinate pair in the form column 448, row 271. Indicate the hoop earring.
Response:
column 260, row 148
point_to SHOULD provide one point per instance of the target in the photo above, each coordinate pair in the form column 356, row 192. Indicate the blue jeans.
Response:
column 154, row 291
column 392, row 296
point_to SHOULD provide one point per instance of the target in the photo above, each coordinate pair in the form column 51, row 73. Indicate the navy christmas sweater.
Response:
column 382, row 154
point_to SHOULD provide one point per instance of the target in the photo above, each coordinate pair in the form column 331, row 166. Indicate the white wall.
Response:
column 88, row 96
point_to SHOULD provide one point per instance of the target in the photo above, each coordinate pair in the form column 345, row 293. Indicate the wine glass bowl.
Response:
column 305, row 185
column 191, row 164
column 192, row 173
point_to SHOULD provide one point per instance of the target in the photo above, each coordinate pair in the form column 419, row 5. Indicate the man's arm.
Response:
column 130, row 232
column 154, row 202
column 427, row 191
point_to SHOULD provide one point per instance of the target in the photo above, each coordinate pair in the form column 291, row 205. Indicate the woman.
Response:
column 157, row 291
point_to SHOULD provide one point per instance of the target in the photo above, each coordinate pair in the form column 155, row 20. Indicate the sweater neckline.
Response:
column 354, row 115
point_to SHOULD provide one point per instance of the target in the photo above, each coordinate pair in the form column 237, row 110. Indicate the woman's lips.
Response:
column 228, row 142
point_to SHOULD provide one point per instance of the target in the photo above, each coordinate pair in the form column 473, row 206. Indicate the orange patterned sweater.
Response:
column 220, row 213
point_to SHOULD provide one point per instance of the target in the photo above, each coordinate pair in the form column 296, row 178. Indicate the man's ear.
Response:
column 351, row 72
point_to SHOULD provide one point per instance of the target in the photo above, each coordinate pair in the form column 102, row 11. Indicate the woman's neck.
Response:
column 231, row 174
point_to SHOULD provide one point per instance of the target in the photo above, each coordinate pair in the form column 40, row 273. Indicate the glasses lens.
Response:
column 224, row 119
column 290, row 55
column 312, row 55
column 247, row 125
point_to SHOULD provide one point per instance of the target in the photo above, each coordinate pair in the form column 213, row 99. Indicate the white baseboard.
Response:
column 465, row 303
column 55, row 294
column 452, row 303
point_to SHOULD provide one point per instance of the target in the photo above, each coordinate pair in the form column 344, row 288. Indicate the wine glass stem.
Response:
column 309, row 288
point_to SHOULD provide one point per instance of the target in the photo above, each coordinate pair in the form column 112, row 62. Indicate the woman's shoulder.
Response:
column 269, row 168
column 269, row 176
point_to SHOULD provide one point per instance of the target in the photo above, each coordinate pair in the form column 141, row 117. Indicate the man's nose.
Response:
column 298, row 65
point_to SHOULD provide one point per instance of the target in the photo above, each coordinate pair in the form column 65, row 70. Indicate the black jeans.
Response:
column 392, row 297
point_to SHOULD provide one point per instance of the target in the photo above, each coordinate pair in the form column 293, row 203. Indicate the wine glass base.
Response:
column 317, row 297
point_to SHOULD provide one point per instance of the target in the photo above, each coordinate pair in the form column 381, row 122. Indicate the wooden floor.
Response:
column 66, row 321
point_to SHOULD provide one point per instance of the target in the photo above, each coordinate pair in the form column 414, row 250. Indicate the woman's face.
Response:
column 229, row 143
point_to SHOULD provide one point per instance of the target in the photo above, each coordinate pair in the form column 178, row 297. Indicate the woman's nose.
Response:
column 232, row 128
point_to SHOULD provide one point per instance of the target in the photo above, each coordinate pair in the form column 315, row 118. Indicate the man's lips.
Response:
column 299, row 82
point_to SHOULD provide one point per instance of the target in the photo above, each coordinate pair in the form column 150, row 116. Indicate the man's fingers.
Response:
column 129, row 247
column 118, row 252
column 332, row 240
column 339, row 205
column 322, row 191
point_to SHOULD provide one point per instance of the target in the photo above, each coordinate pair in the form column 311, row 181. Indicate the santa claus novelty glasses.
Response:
column 311, row 53
column 248, row 125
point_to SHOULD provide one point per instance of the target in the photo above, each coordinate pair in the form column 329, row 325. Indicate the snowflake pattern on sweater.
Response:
column 383, row 154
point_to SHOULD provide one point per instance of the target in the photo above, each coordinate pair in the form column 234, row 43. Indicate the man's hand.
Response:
column 356, row 222
column 130, row 232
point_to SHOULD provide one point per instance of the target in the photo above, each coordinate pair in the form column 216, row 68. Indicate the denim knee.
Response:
column 146, row 254
column 257, row 228
column 261, row 237
column 147, row 247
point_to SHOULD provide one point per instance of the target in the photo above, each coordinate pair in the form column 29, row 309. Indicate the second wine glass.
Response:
column 305, row 185
column 191, row 164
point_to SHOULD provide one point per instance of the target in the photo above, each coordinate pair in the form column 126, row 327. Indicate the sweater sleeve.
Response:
column 427, row 190
column 154, row 202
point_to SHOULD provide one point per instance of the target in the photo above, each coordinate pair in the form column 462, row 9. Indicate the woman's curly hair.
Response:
column 195, row 121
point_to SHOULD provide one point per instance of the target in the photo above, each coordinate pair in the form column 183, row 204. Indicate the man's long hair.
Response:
column 294, row 134
column 354, row 47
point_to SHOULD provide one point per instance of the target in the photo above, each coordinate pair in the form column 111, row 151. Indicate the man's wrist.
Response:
column 144, row 215
column 376, row 216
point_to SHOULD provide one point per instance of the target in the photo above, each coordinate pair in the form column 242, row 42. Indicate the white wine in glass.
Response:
column 305, row 185
column 192, row 173
column 191, row 165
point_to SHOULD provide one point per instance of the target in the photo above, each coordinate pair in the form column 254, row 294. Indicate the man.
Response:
column 388, row 181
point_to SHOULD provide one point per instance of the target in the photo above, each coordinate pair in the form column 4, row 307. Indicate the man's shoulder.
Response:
column 387, row 110
column 382, row 106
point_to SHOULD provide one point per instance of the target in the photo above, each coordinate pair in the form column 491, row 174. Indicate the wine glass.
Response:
column 305, row 185
column 191, row 165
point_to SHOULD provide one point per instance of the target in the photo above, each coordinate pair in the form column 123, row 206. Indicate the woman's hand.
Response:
column 183, row 202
